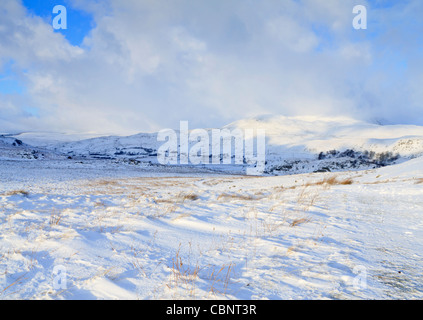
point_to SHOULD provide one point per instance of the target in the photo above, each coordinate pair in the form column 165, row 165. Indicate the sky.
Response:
column 129, row 66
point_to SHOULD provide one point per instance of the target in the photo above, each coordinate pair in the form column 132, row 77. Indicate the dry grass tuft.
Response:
column 18, row 281
column 183, row 276
column 334, row 181
column 346, row 181
column 237, row 196
column 299, row 221
column 107, row 183
column 331, row 181
column 419, row 181
column 220, row 279
column 181, row 197
column 17, row 192
column 307, row 199
column 191, row 197
column 55, row 219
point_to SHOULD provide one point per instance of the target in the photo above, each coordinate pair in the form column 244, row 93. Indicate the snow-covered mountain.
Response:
column 293, row 144
column 12, row 148
column 48, row 139
column 314, row 135
column 304, row 144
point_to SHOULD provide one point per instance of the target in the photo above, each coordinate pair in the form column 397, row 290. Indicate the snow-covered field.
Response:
column 104, row 230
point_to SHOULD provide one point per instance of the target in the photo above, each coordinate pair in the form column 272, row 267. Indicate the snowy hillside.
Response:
column 47, row 139
column 15, row 149
column 137, row 146
column 293, row 145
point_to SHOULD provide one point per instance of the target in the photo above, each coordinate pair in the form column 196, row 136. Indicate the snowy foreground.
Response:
column 108, row 231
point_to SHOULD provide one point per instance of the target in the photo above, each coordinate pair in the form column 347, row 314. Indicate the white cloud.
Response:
column 292, row 35
column 149, row 64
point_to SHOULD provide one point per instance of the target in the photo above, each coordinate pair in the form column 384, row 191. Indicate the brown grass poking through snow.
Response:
column 179, row 198
column 55, row 219
column 306, row 199
column 419, row 181
column 347, row 181
column 17, row 192
column 334, row 181
column 331, row 181
column 220, row 279
column 237, row 196
column 299, row 221
column 183, row 276
column 190, row 196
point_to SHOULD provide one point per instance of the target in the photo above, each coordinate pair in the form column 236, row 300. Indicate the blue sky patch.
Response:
column 9, row 83
column 10, row 86
column 31, row 112
column 79, row 23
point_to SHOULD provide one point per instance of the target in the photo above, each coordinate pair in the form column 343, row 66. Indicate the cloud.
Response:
column 146, row 65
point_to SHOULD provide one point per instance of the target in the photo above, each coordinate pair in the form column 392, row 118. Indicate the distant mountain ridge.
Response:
column 293, row 144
